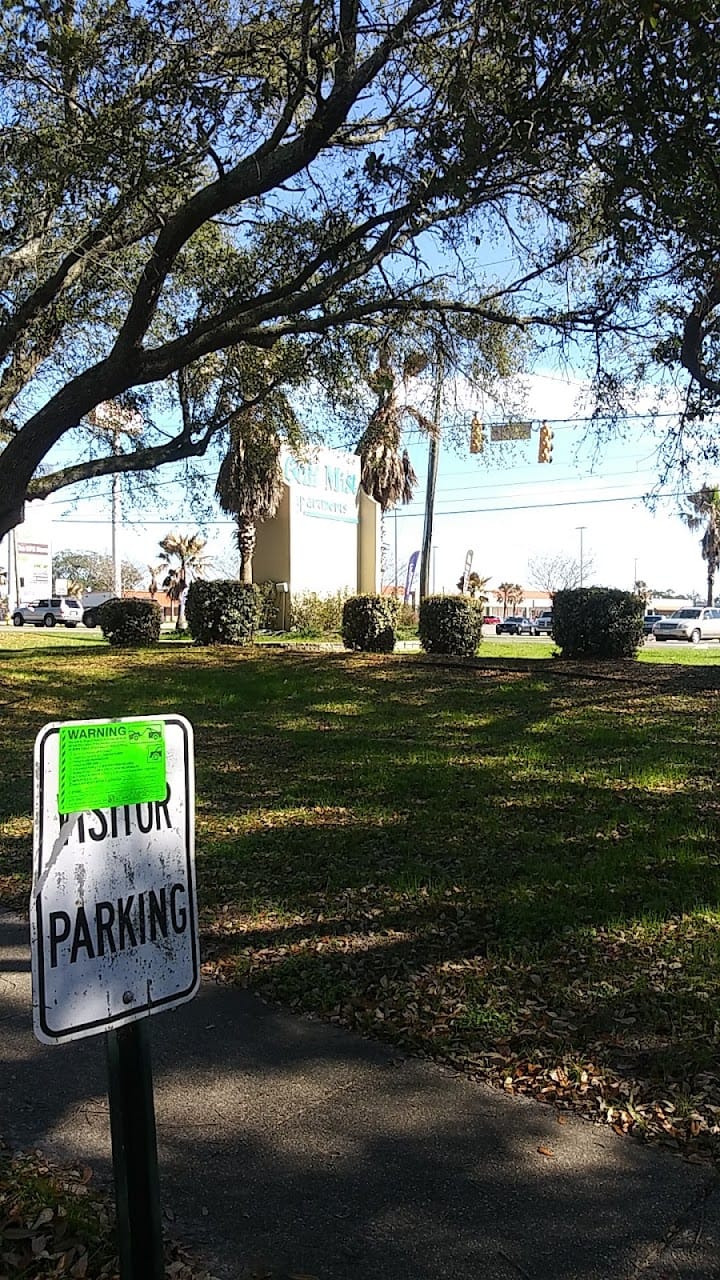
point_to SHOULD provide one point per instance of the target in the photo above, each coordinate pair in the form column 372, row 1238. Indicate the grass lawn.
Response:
column 511, row 866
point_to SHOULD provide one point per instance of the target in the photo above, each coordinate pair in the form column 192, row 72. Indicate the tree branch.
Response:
column 88, row 248
column 254, row 176
column 694, row 333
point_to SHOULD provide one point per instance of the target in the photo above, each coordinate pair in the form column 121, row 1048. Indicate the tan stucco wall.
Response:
column 271, row 562
column 368, row 545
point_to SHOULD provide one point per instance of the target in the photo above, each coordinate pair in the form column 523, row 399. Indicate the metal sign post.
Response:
column 113, row 919
column 134, row 1147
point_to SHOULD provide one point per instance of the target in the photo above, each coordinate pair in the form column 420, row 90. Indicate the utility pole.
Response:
column 433, row 460
column 113, row 420
column 16, row 575
column 116, row 520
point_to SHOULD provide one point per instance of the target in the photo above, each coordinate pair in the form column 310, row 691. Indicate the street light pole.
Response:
column 581, row 529
column 395, row 573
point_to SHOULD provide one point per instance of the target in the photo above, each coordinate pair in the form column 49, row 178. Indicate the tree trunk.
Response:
column 246, row 539
column 180, row 625
column 711, row 583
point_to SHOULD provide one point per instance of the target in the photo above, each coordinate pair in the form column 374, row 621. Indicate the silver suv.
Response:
column 689, row 624
column 544, row 624
column 45, row 613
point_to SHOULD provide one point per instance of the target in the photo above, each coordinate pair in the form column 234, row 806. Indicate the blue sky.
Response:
column 503, row 505
column 508, row 508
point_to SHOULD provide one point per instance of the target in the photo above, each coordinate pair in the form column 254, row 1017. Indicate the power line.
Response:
column 410, row 515
column 537, row 506
column 474, row 488
column 559, row 422
column 488, row 490
column 509, row 484
column 141, row 523
column 573, row 420
column 99, row 497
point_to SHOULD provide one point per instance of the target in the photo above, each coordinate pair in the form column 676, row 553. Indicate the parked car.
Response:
column 544, row 624
column 689, row 624
column 490, row 620
column 45, row 613
column 91, row 602
column 517, row 626
column 649, row 622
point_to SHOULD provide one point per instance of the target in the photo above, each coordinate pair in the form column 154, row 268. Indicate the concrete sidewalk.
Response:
column 290, row 1147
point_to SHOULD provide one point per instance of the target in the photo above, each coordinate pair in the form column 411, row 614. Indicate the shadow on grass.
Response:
column 491, row 862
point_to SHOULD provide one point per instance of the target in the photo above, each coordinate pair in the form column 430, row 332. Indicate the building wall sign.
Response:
column 32, row 548
column 324, row 488
column 33, row 569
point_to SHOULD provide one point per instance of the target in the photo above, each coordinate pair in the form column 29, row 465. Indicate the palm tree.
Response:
column 476, row 586
column 386, row 474
column 153, row 585
column 187, row 550
column 705, row 511
column 509, row 593
column 250, row 480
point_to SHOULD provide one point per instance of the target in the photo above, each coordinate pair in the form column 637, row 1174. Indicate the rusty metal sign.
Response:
column 113, row 910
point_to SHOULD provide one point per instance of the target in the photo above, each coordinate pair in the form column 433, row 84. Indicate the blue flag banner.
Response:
column 412, row 566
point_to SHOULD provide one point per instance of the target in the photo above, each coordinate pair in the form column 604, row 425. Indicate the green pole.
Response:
column 134, row 1149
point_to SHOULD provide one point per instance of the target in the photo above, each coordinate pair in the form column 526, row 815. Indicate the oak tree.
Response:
column 205, row 204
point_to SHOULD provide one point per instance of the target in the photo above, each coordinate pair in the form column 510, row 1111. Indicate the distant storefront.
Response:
column 668, row 604
column 325, row 536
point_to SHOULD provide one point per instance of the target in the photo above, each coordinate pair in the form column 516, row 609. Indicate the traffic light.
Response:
column 477, row 435
column 545, row 446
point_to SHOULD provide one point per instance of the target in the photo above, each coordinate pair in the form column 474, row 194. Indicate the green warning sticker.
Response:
column 105, row 765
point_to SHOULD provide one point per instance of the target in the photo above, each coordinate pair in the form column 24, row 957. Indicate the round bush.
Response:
column 598, row 622
column 223, row 611
column 368, row 623
column 450, row 625
column 129, row 623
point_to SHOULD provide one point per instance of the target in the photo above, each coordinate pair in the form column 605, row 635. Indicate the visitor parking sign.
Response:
column 113, row 911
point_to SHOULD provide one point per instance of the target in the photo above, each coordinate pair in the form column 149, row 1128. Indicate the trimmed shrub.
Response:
column 223, row 611
column 368, row 623
column 268, row 606
column 127, row 623
column 450, row 625
column 314, row 615
column 598, row 622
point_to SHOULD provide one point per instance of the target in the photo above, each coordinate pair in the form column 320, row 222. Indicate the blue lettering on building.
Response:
column 336, row 479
